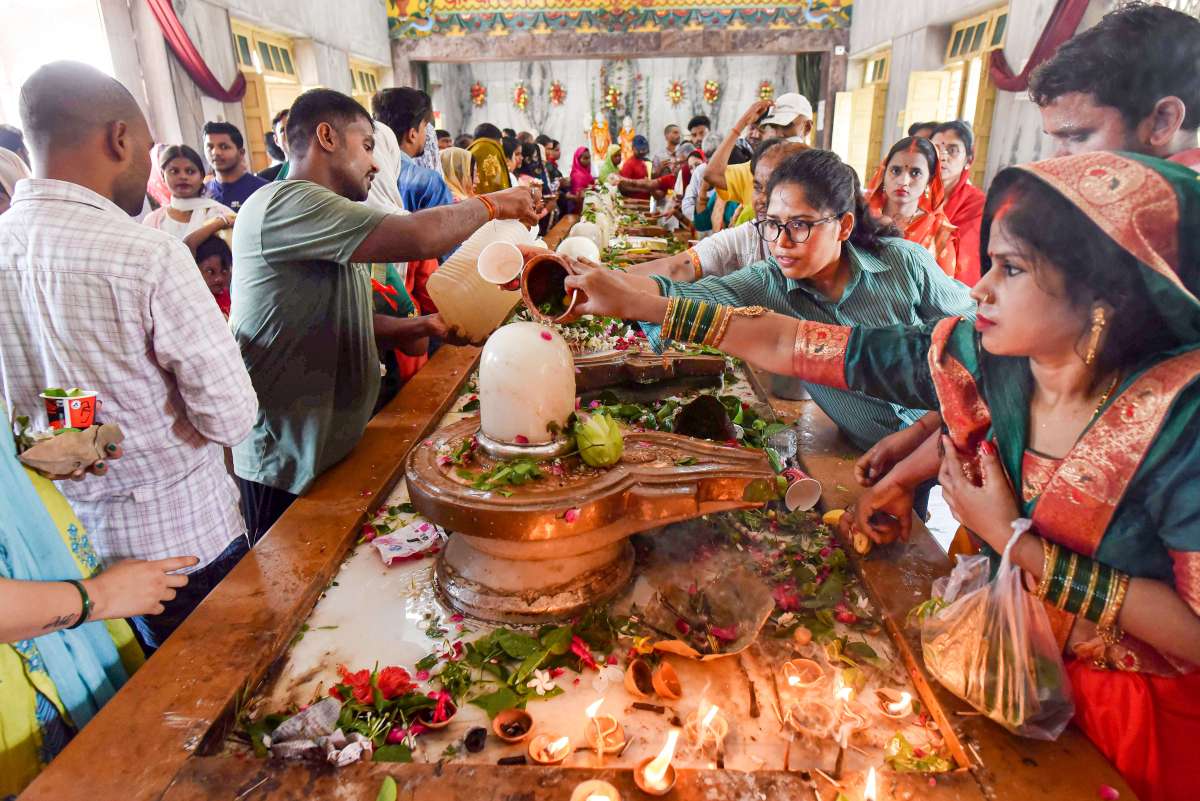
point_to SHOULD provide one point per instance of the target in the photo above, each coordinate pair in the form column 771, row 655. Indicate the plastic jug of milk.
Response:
column 465, row 300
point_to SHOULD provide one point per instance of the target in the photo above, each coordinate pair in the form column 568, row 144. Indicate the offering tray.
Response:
column 549, row 548
column 637, row 366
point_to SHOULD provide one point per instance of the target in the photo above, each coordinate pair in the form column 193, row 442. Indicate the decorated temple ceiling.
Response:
column 416, row 18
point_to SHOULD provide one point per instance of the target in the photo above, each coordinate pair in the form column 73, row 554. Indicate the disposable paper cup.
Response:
column 803, row 491
column 500, row 263
column 78, row 411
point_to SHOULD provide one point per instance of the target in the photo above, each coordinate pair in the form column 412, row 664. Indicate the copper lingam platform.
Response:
column 557, row 545
column 601, row 370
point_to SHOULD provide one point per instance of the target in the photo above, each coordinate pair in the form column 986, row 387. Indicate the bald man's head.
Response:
column 80, row 123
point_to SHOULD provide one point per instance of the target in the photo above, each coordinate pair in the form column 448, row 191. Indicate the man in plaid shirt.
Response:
column 90, row 298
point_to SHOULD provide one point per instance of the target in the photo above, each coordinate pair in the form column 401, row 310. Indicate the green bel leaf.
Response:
column 387, row 790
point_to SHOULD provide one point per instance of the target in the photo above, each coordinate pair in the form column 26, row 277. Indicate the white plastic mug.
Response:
column 500, row 263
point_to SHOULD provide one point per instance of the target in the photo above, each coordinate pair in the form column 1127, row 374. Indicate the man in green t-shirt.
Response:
column 302, row 310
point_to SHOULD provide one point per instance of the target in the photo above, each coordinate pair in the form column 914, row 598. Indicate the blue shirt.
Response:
column 420, row 187
column 901, row 286
column 234, row 194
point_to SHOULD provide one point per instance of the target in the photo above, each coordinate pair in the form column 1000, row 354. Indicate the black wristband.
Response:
column 87, row 604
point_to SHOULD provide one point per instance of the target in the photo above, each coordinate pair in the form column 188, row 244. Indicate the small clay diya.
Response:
column 704, row 735
column 512, row 725
column 593, row 789
column 666, row 682
column 660, row 787
column 894, row 704
column 425, row 716
column 811, row 717
column 611, row 733
column 803, row 674
column 549, row 749
column 639, row 679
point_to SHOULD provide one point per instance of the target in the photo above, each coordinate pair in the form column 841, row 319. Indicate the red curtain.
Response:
column 1064, row 19
column 193, row 63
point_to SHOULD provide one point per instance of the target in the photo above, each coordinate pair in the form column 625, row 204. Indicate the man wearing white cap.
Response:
column 789, row 117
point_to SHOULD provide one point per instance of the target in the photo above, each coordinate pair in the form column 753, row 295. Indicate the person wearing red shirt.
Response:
column 636, row 168
column 955, row 144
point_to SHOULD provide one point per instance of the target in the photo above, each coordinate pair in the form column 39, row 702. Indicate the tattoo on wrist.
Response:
column 59, row 622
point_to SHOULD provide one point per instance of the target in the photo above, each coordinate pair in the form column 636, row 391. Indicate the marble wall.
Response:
column 739, row 76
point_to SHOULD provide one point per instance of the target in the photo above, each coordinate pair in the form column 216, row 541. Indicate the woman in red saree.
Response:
column 1071, row 411
column 907, row 190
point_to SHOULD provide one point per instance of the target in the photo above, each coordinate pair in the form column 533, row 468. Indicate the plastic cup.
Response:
column 77, row 411
column 803, row 490
column 500, row 263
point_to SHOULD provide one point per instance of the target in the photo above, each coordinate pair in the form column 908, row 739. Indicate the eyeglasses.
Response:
column 798, row 230
column 950, row 151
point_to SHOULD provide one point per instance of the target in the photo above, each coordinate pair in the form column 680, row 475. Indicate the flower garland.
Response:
column 675, row 92
column 478, row 94
column 612, row 98
column 558, row 93
column 766, row 91
column 712, row 91
column 520, row 96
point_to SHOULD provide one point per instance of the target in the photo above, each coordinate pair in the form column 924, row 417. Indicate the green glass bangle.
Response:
column 705, row 324
column 1055, row 591
column 683, row 311
column 87, row 604
column 1104, row 590
column 1079, row 584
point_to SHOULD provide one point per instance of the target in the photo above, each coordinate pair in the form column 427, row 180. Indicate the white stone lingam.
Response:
column 526, row 392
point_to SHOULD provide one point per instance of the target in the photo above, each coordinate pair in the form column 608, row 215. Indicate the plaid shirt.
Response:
column 89, row 298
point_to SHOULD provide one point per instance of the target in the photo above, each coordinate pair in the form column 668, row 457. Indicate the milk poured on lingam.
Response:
column 526, row 392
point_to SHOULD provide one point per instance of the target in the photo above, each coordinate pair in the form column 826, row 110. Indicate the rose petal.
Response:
column 546, row 336
column 521, row 439
column 571, row 515
column 1107, row 793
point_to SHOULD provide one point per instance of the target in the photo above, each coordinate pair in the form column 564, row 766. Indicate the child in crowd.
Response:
column 215, row 260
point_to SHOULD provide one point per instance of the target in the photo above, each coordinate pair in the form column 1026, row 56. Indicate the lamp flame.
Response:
column 594, row 709
column 554, row 748
column 869, row 790
column 657, row 768
column 708, row 718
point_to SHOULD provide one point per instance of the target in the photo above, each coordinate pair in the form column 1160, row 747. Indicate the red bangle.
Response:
column 488, row 205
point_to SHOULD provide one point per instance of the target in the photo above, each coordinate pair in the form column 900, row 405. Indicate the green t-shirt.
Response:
column 302, row 316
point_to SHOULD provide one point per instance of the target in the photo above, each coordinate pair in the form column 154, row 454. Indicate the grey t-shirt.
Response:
column 302, row 316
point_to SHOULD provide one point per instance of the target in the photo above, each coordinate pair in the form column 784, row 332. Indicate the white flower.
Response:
column 541, row 682
column 609, row 674
column 786, row 618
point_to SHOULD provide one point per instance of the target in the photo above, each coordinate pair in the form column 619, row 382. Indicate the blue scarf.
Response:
column 82, row 662
column 420, row 187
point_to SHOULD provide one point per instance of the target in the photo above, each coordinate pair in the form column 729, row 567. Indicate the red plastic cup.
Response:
column 78, row 411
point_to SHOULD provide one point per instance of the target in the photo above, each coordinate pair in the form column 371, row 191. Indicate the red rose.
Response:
column 359, row 684
column 394, row 682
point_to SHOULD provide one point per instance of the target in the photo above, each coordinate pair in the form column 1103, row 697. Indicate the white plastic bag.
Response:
column 992, row 646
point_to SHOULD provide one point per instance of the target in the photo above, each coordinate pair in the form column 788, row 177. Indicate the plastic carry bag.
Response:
column 992, row 646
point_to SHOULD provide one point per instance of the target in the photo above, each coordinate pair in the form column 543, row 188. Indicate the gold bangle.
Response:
column 1049, row 555
column 724, row 314
column 1109, row 631
column 1066, row 584
column 667, row 318
column 697, row 268
column 701, row 310
column 1091, row 589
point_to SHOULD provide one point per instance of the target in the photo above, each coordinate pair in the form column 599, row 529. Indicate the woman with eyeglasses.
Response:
column 830, row 261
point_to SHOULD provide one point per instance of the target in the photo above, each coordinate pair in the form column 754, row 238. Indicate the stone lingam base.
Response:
column 558, row 545
column 616, row 368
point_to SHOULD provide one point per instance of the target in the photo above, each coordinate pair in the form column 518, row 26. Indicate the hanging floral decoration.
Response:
column 766, row 91
column 558, row 93
column 612, row 98
column 520, row 96
column 675, row 92
column 478, row 94
column 712, row 91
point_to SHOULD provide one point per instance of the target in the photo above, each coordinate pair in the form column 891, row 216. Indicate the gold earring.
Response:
column 1098, row 323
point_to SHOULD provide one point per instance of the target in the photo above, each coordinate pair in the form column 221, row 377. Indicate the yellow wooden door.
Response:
column 985, row 107
column 258, row 121
column 928, row 97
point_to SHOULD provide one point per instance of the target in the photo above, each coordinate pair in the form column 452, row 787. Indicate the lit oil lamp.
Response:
column 595, row 790
column 656, row 776
column 869, row 790
column 603, row 732
column 894, row 704
column 802, row 674
column 546, row 751
column 709, row 729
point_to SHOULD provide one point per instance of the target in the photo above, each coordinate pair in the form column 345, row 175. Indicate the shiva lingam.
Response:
column 547, row 549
